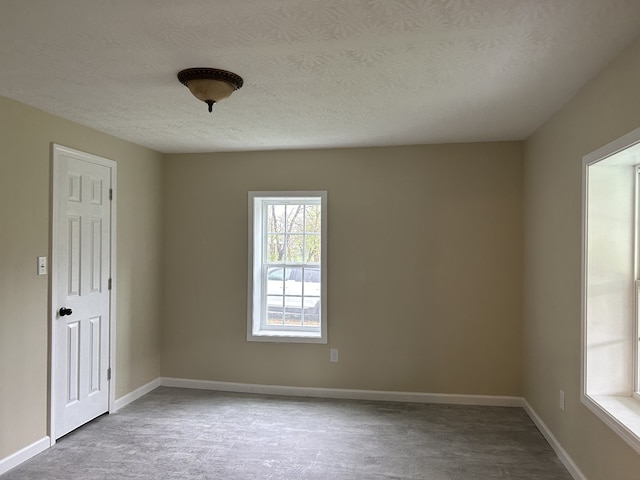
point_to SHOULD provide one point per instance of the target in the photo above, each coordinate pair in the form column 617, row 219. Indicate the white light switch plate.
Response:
column 42, row 265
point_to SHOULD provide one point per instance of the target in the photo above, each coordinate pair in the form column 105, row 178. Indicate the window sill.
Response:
column 286, row 337
column 620, row 413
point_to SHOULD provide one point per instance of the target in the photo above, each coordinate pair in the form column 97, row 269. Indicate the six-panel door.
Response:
column 81, row 251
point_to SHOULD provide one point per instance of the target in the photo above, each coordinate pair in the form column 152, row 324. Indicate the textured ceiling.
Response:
column 317, row 73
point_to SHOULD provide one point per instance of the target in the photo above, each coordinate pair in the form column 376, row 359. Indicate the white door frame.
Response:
column 55, row 207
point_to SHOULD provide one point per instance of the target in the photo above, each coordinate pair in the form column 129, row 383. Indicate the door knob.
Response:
column 65, row 311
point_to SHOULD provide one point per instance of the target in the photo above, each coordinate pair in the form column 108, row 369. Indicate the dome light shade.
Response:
column 210, row 85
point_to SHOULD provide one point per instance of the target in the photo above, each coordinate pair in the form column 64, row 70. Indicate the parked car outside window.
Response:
column 293, row 292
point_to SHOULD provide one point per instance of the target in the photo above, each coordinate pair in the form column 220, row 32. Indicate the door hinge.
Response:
column 109, row 373
column 109, row 284
column 111, row 194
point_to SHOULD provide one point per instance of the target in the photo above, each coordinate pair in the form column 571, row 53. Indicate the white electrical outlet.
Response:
column 562, row 400
column 42, row 265
column 333, row 355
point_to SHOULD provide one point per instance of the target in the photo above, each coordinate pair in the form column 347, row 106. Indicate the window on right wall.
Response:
column 611, row 286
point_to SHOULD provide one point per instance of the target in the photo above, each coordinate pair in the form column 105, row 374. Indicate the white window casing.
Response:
column 610, row 378
column 287, row 278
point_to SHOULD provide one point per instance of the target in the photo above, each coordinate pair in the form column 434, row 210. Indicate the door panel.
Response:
column 80, row 279
column 73, row 362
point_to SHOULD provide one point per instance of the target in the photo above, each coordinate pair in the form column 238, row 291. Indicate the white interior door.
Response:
column 81, row 294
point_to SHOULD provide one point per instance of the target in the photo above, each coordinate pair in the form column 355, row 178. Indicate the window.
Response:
column 610, row 286
column 287, row 267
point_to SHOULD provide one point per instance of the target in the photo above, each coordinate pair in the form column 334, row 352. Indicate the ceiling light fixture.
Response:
column 210, row 85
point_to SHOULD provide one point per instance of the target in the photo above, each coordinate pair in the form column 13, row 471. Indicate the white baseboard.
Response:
column 564, row 457
column 415, row 397
column 136, row 394
column 26, row 453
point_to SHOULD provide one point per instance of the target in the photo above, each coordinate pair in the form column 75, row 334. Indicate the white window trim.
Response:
column 254, row 332
column 620, row 410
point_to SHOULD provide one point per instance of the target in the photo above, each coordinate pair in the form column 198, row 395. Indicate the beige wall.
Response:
column 607, row 108
column 425, row 268
column 26, row 135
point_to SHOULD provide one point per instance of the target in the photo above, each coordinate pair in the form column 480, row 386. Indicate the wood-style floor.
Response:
column 195, row 434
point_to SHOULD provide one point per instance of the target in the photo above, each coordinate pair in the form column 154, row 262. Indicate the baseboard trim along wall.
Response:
column 136, row 394
column 553, row 441
column 415, row 397
column 32, row 450
column 25, row 454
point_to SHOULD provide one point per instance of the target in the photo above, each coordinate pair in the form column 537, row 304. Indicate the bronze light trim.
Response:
column 211, row 85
